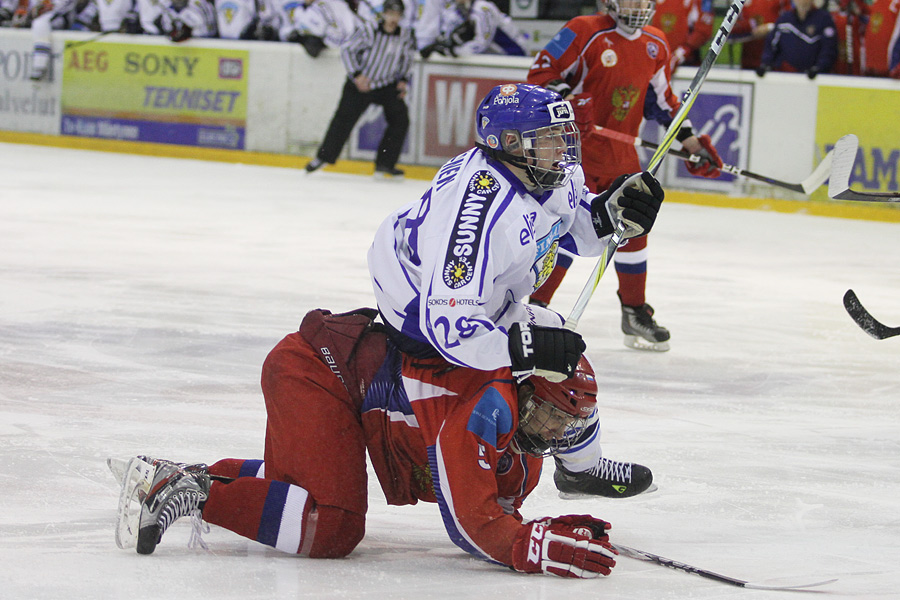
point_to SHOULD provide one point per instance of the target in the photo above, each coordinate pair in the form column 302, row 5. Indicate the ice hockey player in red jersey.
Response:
column 615, row 67
column 688, row 25
column 337, row 388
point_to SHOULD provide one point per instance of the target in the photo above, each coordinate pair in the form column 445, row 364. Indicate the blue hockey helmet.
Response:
column 531, row 128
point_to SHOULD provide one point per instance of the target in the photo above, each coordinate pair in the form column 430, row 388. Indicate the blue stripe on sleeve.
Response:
column 560, row 42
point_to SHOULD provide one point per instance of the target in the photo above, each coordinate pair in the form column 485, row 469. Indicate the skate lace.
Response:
column 612, row 470
column 198, row 528
column 179, row 505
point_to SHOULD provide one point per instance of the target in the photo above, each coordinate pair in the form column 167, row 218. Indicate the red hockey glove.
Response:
column 582, row 524
column 710, row 163
column 555, row 549
column 584, row 113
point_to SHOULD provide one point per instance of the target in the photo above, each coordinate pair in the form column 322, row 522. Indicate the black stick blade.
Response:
column 866, row 321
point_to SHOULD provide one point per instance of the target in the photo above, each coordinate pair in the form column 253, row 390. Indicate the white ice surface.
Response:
column 139, row 297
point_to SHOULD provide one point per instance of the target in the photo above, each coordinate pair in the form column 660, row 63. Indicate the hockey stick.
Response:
column 865, row 320
column 680, row 566
column 807, row 186
column 687, row 101
column 94, row 38
column 841, row 168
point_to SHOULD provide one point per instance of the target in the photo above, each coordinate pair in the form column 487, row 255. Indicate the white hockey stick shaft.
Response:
column 687, row 101
column 842, row 167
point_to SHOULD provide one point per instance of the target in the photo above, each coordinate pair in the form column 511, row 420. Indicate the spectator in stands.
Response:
column 881, row 39
column 804, row 41
column 756, row 21
column 378, row 59
column 463, row 27
column 688, row 25
column 851, row 19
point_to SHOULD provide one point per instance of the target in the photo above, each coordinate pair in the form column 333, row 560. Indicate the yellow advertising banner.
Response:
column 167, row 94
column 874, row 116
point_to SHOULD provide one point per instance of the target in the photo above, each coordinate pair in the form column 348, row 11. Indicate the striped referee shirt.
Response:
column 384, row 58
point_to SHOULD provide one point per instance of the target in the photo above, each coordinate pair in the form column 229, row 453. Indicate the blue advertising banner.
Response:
column 722, row 111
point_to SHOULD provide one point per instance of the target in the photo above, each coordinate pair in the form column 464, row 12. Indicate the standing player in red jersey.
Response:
column 688, row 24
column 616, row 68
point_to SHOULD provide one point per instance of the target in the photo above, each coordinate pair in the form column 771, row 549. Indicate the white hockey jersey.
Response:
column 233, row 17
column 451, row 269
column 494, row 31
column 331, row 20
column 111, row 13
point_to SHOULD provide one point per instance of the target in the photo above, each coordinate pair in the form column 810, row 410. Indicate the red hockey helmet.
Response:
column 552, row 415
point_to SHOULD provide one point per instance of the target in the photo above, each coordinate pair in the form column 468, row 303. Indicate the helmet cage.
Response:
column 551, row 154
column 545, row 429
column 631, row 15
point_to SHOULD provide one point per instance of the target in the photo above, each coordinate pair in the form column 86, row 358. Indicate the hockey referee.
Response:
column 378, row 59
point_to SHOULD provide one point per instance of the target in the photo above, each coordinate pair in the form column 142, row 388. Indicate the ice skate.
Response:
column 155, row 493
column 176, row 491
column 641, row 331
column 609, row 478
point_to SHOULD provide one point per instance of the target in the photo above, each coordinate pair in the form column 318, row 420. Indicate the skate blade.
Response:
column 576, row 496
column 638, row 343
column 117, row 467
column 136, row 481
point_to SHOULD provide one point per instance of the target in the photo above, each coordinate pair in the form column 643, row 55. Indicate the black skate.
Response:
column 641, row 331
column 609, row 478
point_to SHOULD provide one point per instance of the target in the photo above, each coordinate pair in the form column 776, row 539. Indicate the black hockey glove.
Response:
column 632, row 199
column 761, row 70
column 439, row 47
column 180, row 32
column 548, row 352
column 560, row 87
column 812, row 72
column 465, row 32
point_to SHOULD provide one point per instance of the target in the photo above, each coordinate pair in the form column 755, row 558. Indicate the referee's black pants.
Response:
column 350, row 109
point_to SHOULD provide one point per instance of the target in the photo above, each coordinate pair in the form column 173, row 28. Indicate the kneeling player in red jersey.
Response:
column 338, row 388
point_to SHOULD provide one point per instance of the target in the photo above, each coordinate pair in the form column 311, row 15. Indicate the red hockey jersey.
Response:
column 443, row 436
column 688, row 24
column 627, row 77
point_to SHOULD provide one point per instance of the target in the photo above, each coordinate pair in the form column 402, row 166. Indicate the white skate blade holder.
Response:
column 136, row 481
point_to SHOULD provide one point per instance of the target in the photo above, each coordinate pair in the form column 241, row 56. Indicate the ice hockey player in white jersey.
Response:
column 117, row 15
column 463, row 27
column 237, row 19
column 45, row 16
column 314, row 24
column 179, row 19
column 451, row 270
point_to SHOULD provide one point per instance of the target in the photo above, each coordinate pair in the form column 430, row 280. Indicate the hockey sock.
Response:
column 236, row 467
column 631, row 269
column 548, row 288
column 273, row 513
column 278, row 514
